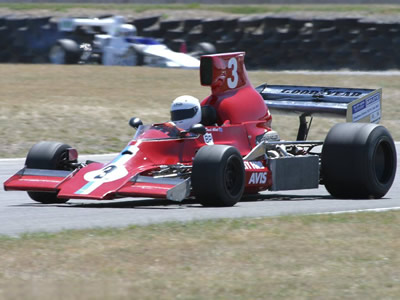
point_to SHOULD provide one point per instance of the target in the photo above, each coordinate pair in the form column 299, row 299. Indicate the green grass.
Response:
column 348, row 256
column 236, row 9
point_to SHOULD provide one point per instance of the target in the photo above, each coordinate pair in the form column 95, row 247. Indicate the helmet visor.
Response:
column 182, row 114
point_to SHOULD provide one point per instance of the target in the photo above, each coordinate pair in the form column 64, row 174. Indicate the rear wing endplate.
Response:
column 356, row 105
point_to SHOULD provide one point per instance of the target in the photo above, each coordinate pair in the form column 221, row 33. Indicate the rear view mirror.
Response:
column 197, row 129
column 135, row 122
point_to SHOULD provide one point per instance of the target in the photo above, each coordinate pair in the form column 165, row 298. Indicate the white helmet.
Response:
column 185, row 111
column 127, row 30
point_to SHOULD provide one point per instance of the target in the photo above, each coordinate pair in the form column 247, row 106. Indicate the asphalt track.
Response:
column 19, row 214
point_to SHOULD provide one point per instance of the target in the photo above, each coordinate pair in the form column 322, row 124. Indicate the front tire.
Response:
column 51, row 156
column 218, row 176
column 130, row 58
column 358, row 161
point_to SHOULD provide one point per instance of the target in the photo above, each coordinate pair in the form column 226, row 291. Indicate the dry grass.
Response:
column 315, row 9
column 349, row 256
column 89, row 106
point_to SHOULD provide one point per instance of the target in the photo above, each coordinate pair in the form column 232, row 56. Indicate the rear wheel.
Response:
column 204, row 48
column 358, row 161
column 218, row 176
column 65, row 52
column 47, row 155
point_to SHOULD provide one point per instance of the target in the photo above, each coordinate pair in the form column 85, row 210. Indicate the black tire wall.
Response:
column 270, row 42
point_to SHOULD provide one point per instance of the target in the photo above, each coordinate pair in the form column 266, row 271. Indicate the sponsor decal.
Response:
column 253, row 165
column 215, row 129
column 370, row 106
column 66, row 24
column 258, row 178
column 338, row 93
column 208, row 138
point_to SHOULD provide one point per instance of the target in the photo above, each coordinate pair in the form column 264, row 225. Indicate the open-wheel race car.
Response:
column 111, row 41
column 232, row 151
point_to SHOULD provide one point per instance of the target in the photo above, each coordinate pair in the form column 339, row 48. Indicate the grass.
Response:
column 349, row 256
column 89, row 107
column 236, row 9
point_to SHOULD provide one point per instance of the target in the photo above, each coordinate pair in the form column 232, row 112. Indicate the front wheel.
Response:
column 358, row 161
column 218, row 175
column 47, row 155
column 130, row 58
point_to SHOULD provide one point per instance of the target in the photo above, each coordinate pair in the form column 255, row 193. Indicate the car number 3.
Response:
column 233, row 81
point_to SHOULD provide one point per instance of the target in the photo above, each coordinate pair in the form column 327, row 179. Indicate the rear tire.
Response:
column 47, row 155
column 218, row 176
column 358, row 161
column 65, row 51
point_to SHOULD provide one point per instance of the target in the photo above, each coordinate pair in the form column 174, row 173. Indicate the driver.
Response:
column 185, row 111
column 126, row 31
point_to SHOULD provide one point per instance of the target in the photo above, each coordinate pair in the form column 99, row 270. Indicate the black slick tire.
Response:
column 47, row 155
column 358, row 161
column 218, row 176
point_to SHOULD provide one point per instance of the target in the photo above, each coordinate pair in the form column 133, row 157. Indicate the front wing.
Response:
column 42, row 180
column 258, row 178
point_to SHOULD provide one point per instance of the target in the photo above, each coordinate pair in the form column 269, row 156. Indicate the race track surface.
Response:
column 19, row 214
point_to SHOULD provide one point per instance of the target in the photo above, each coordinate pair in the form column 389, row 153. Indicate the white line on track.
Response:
column 360, row 210
column 10, row 159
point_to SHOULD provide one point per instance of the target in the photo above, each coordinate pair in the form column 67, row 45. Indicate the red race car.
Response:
column 232, row 151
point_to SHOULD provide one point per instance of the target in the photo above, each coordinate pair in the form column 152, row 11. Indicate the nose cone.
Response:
column 102, row 181
column 95, row 181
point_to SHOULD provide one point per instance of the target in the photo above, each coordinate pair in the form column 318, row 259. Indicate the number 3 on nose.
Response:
column 233, row 81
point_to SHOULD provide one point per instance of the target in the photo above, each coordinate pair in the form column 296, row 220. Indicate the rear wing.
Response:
column 356, row 105
column 108, row 25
